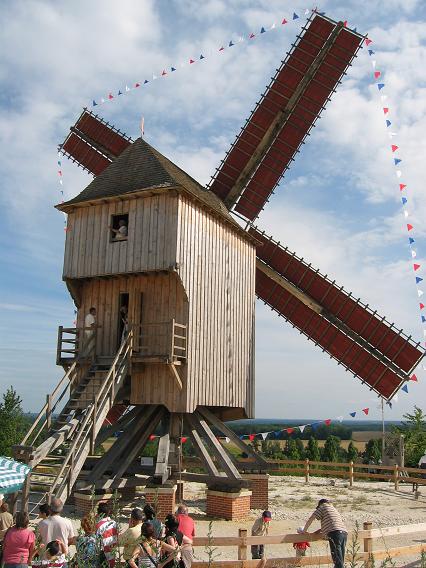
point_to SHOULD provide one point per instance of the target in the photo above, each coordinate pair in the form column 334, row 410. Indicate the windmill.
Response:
column 186, row 274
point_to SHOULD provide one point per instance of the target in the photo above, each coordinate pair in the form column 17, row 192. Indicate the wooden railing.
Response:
column 74, row 342
column 365, row 540
column 161, row 340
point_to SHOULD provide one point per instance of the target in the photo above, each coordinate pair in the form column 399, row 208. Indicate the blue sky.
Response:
column 339, row 206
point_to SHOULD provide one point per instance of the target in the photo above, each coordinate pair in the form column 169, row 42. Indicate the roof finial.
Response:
column 142, row 125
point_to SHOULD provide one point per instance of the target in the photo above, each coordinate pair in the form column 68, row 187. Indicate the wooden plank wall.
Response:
column 217, row 268
column 163, row 299
column 151, row 243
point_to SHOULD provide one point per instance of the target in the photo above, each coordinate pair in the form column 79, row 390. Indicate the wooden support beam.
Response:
column 175, row 374
column 161, row 467
column 199, row 447
column 279, row 121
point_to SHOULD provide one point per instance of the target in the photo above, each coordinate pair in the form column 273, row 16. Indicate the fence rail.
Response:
column 366, row 538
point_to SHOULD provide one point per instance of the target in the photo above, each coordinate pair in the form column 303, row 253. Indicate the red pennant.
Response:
column 221, row 48
column 65, row 229
column 377, row 74
column 192, row 61
column 290, row 430
column 386, row 110
column 366, row 411
column 251, row 437
column 414, row 378
column 416, row 266
column 394, row 148
column 59, row 172
column 184, row 439
column 284, row 22
column 402, row 186
column 137, row 85
column 252, row 35
column 327, row 422
column 110, row 96
column 368, row 41
column 152, row 437
column 409, row 227
column 345, row 24
column 164, row 73
column 422, row 306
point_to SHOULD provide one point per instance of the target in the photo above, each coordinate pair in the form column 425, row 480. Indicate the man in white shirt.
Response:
column 56, row 527
column 120, row 234
column 89, row 332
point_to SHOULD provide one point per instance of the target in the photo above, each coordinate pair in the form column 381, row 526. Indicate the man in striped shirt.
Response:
column 332, row 528
column 106, row 531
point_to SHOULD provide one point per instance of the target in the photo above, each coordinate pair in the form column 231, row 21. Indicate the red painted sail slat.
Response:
column 339, row 346
column 367, row 324
column 303, row 115
column 115, row 413
column 101, row 134
column 85, row 155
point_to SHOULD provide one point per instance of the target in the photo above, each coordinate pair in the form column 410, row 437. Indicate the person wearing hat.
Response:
column 260, row 528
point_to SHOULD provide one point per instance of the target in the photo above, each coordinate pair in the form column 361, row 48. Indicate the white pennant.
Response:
column 102, row 101
column 154, row 77
column 383, row 98
column 264, row 435
column 420, row 293
column 273, row 26
column 395, row 398
column 301, row 428
column 413, row 254
column 339, row 418
column 424, row 332
column 307, row 11
column 392, row 134
column 127, row 89
column 61, row 182
column 240, row 39
column 405, row 214
column 398, row 173
column 373, row 63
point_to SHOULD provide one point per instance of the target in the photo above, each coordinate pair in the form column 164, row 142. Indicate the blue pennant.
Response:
column 380, row 86
column 59, row 162
column 262, row 31
column 202, row 56
column 353, row 414
column 63, row 194
column 404, row 200
column 388, row 402
column 397, row 161
column 242, row 437
column 230, row 44
column 315, row 425
column 418, row 279
column 354, row 29
column 388, row 123
column 94, row 103
column 146, row 81
column 277, row 434
column 295, row 16
column 119, row 93
column 423, row 319
column 371, row 52
column 172, row 68
column 411, row 240
column 405, row 388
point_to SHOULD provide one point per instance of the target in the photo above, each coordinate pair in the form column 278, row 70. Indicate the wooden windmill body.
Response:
column 188, row 274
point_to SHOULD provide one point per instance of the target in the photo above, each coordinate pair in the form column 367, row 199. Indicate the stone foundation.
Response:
column 230, row 506
column 163, row 499
column 259, row 484
column 85, row 502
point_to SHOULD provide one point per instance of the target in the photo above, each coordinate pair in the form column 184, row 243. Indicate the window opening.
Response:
column 119, row 227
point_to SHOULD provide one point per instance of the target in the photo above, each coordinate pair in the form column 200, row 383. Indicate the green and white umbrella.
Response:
column 12, row 475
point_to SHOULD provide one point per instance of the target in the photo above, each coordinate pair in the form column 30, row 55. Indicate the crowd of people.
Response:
column 147, row 543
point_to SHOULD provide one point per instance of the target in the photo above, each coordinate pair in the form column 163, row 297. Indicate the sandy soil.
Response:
column 292, row 501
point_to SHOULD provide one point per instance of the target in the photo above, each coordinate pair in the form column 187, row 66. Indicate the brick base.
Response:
column 84, row 502
column 229, row 506
column 259, row 484
column 163, row 499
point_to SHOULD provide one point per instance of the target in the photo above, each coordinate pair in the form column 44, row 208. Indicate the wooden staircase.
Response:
column 58, row 460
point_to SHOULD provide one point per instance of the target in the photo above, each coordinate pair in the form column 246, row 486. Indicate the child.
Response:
column 53, row 555
column 300, row 546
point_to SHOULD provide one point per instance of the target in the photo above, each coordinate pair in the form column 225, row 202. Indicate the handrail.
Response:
column 97, row 404
column 45, row 408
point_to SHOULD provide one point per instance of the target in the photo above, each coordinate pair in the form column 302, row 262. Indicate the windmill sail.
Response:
column 285, row 115
column 363, row 342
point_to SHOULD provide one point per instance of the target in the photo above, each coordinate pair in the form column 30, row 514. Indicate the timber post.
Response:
column 396, row 476
column 368, row 546
column 242, row 547
column 306, row 470
column 48, row 411
column 351, row 473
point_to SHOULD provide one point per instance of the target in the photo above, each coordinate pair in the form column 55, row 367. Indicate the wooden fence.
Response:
column 367, row 554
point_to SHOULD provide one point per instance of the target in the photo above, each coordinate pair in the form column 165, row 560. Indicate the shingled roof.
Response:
column 140, row 166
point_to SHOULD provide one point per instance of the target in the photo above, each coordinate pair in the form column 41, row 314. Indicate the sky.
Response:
column 339, row 206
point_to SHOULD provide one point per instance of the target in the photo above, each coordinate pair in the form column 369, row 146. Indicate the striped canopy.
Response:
column 12, row 475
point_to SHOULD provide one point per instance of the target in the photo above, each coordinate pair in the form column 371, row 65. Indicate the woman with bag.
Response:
column 175, row 538
column 149, row 549
column 18, row 543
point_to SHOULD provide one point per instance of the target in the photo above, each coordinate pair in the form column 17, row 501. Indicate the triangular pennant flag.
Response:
column 264, row 435
column 183, row 439
column 423, row 319
column 371, row 52
column 394, row 148
column 422, row 306
column 345, row 24
column 398, row 173
column 262, row 31
column 402, row 186
column 221, row 48
column 404, row 200
column 289, row 430
column 353, row 414
column 383, row 98
column 94, row 103
column 416, row 266
column 119, row 93
column 301, row 428
column 277, row 434
column 397, row 161
column 395, row 398
column 152, row 437
column 414, row 378
column 191, row 61
column 110, row 96
column 405, row 388
column 163, row 72
column 406, row 214
column 251, row 437
column 418, row 279
column 60, row 181
column 380, row 86
column 368, row 41
column 145, row 82
column 391, row 134
column 420, row 293
column 273, row 26
column 327, row 422
column 102, row 101
column 59, row 172
column 411, row 240
column 340, row 418
column 172, row 69
column 138, row 84
column 388, row 123
column 284, row 22
column 230, row 44
column 373, row 63
column 307, row 11
column 202, row 56
column 366, row 411
column 252, row 35
column 413, row 254
column 295, row 16
column 377, row 74
column 127, row 89
column 386, row 110
column 154, row 77
column 388, row 402
column 314, row 425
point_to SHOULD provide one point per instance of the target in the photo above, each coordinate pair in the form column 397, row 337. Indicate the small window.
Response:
column 119, row 227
